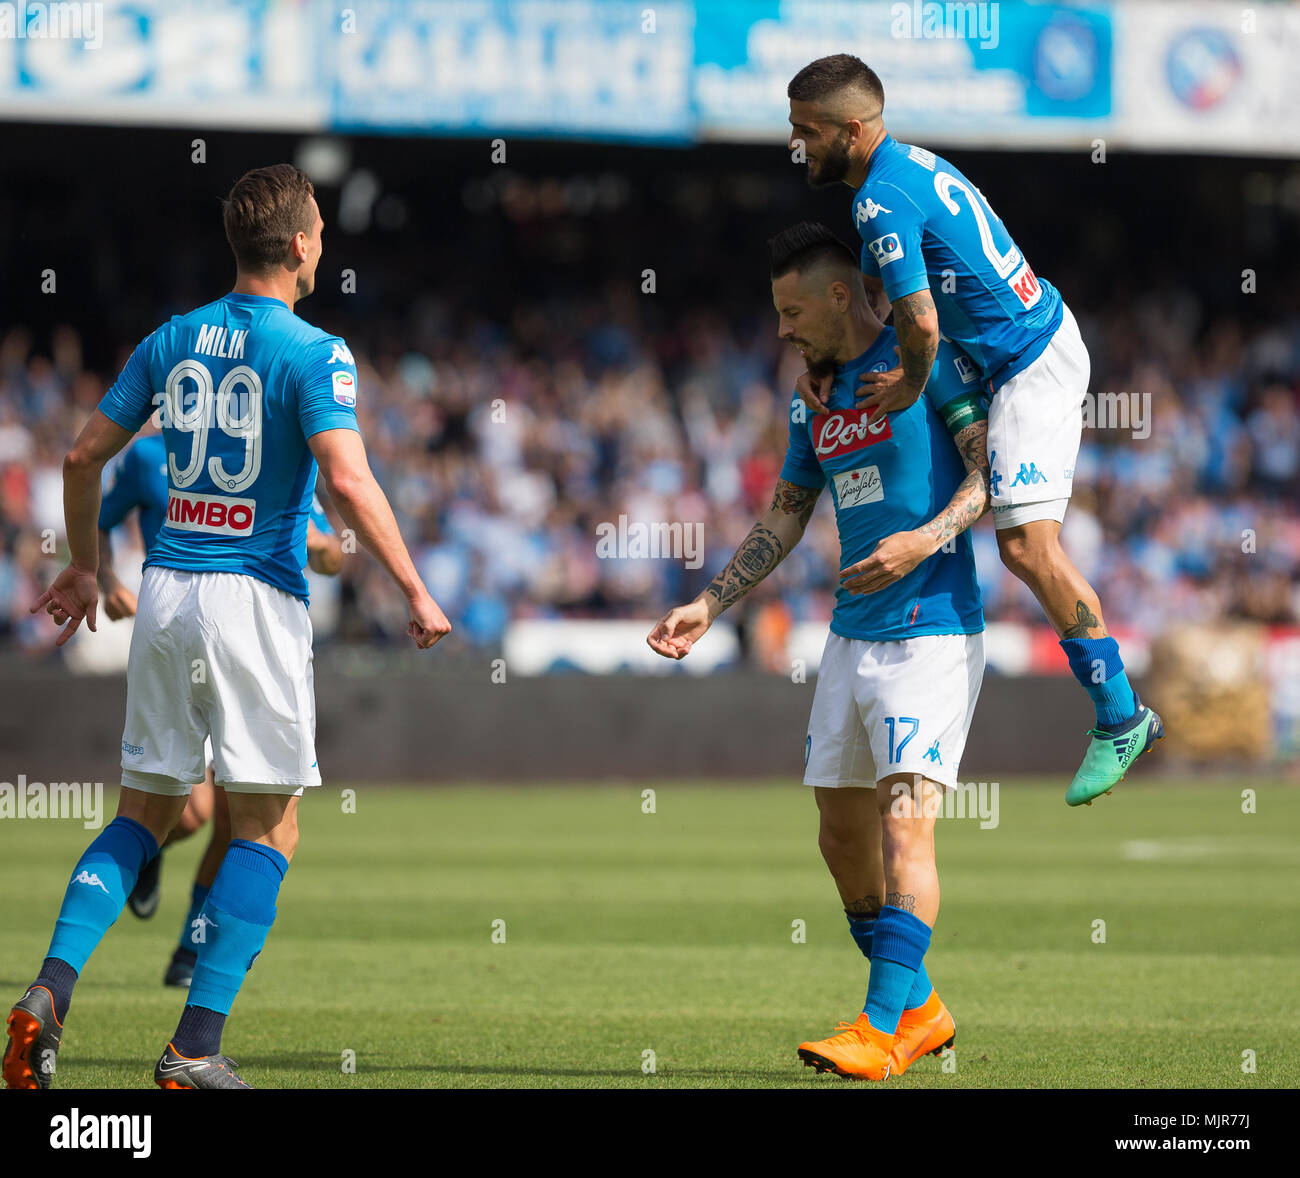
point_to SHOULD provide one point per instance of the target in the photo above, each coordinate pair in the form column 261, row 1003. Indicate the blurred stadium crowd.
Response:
column 504, row 444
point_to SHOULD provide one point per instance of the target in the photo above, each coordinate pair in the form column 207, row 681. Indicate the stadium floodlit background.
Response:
column 545, row 245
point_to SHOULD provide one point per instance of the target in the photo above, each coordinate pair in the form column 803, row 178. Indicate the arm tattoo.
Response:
column 917, row 324
column 971, row 499
column 867, row 906
column 759, row 553
column 906, row 902
column 795, row 500
column 1084, row 620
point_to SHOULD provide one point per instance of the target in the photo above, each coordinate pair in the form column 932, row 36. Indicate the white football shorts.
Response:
column 882, row 708
column 221, row 655
column 1035, row 423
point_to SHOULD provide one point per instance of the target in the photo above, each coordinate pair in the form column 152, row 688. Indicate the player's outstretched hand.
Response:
column 428, row 622
column 814, row 392
column 887, row 392
column 74, row 595
column 891, row 560
column 680, row 629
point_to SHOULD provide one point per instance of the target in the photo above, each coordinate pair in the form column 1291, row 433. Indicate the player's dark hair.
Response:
column 264, row 211
column 803, row 246
column 818, row 80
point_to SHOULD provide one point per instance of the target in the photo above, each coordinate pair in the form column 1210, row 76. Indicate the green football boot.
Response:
column 1111, row 755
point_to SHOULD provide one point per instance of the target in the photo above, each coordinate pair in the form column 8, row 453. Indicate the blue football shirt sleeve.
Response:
column 122, row 492
column 130, row 401
column 327, row 387
column 891, row 240
column 801, row 466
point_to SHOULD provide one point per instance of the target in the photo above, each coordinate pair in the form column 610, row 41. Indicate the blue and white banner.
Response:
column 1204, row 75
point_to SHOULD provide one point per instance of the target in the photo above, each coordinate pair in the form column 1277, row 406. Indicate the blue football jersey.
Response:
column 891, row 475
column 243, row 383
column 137, row 479
column 922, row 223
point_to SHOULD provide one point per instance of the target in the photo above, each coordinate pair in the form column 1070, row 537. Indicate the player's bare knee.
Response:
column 157, row 813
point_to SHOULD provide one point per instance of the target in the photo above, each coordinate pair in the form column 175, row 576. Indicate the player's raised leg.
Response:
column 1035, row 423
column 1125, row 727
column 94, row 899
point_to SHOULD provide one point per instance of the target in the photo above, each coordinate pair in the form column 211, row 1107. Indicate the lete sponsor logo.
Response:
column 220, row 515
column 847, row 430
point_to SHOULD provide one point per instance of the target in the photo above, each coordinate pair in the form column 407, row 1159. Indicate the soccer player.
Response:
column 253, row 399
column 904, row 659
column 138, row 482
column 935, row 250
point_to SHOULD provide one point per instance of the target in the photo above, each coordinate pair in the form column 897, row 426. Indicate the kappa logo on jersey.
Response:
column 886, row 249
column 966, row 369
column 1026, row 286
column 866, row 210
column 849, row 429
column 854, row 488
column 345, row 388
column 220, row 515
column 341, row 355
column 89, row 877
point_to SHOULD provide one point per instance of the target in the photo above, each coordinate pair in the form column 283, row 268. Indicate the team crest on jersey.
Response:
column 345, row 388
column 886, row 249
column 866, row 210
column 854, row 488
column 847, row 430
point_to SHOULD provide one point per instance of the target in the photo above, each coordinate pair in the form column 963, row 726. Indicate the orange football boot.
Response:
column 858, row 1052
column 926, row 1029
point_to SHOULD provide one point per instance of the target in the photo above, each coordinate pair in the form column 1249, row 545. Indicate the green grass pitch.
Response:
column 673, row 933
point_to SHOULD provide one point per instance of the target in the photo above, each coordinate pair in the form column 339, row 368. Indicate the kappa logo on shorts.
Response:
column 807, row 750
column 932, row 753
column 219, row 515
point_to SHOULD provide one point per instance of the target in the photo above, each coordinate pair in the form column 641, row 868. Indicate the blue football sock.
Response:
column 198, row 894
column 1096, row 664
column 861, row 927
column 921, row 989
column 235, row 920
column 899, row 946
column 97, row 892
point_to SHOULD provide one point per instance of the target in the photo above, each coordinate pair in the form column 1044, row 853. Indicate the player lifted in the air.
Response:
column 940, row 255
column 905, row 656
column 252, row 398
column 137, row 482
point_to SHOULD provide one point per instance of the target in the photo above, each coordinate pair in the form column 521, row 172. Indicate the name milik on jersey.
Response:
column 846, row 430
